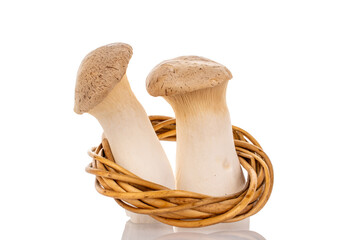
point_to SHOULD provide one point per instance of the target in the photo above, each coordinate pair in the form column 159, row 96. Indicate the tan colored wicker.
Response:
column 183, row 208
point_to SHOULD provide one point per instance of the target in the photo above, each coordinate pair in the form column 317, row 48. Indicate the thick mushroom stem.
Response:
column 134, row 143
column 206, row 161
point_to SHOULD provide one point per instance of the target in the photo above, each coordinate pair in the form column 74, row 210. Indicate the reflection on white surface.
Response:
column 226, row 235
column 159, row 231
column 235, row 226
column 147, row 231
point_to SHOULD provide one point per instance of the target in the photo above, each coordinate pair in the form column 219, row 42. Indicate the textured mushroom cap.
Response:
column 98, row 73
column 185, row 74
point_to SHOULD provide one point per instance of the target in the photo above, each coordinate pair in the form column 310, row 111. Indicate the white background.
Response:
column 294, row 88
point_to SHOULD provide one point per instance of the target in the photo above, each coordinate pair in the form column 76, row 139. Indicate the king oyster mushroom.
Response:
column 206, row 160
column 103, row 90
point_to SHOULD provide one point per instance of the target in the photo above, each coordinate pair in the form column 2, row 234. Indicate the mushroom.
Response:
column 195, row 87
column 103, row 90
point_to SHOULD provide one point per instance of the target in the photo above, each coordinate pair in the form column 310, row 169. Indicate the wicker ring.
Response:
column 183, row 208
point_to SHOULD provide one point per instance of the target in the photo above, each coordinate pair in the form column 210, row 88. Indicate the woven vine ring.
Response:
column 183, row 208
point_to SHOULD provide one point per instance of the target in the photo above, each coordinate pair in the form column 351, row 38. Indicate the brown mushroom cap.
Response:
column 185, row 74
column 98, row 73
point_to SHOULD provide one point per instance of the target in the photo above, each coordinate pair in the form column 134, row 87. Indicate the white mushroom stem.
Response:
column 206, row 160
column 133, row 141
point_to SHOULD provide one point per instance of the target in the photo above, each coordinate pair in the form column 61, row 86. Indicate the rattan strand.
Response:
column 183, row 208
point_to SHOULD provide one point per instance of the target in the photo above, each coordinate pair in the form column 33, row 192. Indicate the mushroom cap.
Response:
column 185, row 74
column 98, row 73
